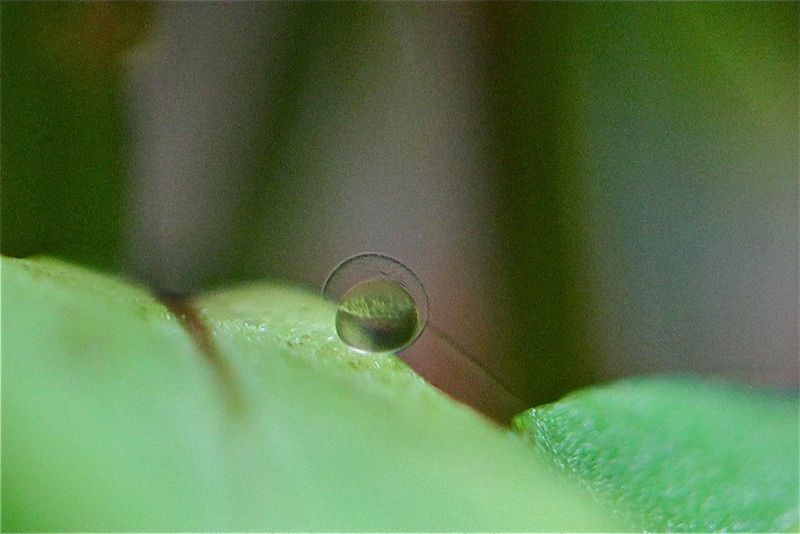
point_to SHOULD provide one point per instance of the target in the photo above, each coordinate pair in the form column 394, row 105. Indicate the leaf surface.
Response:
column 679, row 454
column 115, row 419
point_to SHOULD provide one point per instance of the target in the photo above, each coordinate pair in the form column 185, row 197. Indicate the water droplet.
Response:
column 382, row 305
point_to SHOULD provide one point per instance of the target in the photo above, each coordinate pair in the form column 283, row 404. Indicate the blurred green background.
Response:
column 587, row 190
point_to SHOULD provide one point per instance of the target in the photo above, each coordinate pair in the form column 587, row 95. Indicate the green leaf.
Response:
column 679, row 454
column 116, row 418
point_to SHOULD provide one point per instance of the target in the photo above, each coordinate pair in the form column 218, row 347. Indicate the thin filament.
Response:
column 475, row 362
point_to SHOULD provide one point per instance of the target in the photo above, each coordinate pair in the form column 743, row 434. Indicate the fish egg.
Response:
column 381, row 304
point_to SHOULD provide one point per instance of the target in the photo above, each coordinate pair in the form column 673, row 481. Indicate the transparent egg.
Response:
column 382, row 305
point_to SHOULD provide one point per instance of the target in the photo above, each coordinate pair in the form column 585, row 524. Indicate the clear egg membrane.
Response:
column 381, row 304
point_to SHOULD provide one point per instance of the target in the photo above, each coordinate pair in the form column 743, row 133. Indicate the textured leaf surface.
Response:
column 113, row 419
column 672, row 454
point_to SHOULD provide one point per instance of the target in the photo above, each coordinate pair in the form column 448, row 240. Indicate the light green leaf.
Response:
column 679, row 454
column 114, row 419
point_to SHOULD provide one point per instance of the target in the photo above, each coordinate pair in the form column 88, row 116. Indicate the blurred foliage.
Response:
column 531, row 66
column 63, row 149
column 574, row 84
column 310, row 59
column 65, row 158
